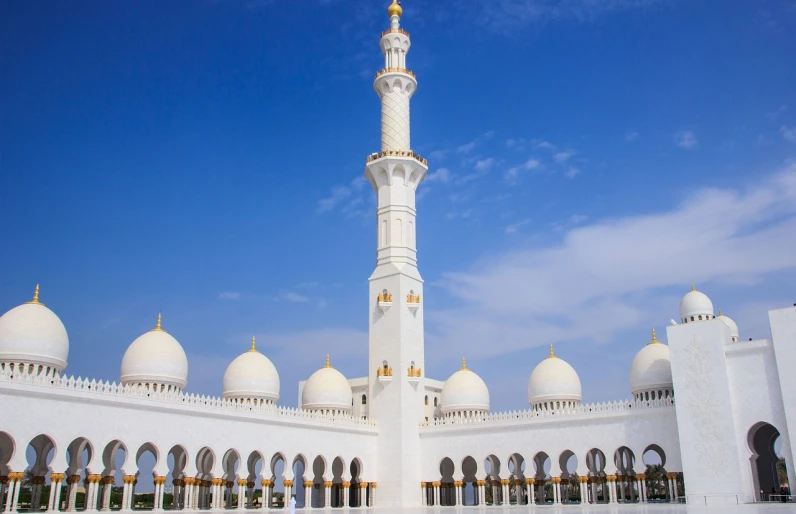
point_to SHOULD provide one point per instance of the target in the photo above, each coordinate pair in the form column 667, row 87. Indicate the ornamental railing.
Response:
column 395, row 31
column 395, row 70
column 397, row 153
column 112, row 389
column 533, row 414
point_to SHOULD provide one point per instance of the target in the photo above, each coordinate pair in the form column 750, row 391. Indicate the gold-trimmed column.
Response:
column 372, row 498
column 56, row 480
column 327, row 494
column 346, row 496
column 266, row 483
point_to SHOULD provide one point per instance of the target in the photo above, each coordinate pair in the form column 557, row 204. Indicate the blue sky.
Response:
column 589, row 159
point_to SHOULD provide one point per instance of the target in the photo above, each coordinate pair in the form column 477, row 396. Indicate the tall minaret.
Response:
column 396, row 350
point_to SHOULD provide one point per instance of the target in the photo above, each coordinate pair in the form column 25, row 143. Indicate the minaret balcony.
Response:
column 384, row 374
column 384, row 301
column 395, row 31
column 397, row 153
column 414, row 374
column 413, row 302
column 395, row 70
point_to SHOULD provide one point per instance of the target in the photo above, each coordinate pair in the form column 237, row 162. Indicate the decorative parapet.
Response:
column 395, row 31
column 414, row 373
column 395, row 70
column 384, row 371
column 215, row 403
column 397, row 153
column 500, row 418
column 384, row 301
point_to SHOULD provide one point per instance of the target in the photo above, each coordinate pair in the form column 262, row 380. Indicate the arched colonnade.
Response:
column 516, row 481
column 85, row 476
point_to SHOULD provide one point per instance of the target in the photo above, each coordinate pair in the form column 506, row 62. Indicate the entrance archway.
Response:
column 765, row 476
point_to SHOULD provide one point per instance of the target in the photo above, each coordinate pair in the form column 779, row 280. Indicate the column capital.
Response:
column 127, row 479
column 374, row 485
column 583, row 480
column 362, row 485
column 610, row 478
column 480, row 483
column 458, row 483
column 641, row 476
column 109, row 480
column 266, row 482
column 328, row 484
column 56, row 477
column 242, row 482
column 287, row 483
column 346, row 485
column 422, row 484
column 217, row 481
column 177, row 482
column 530, row 481
column 436, row 484
column 190, row 481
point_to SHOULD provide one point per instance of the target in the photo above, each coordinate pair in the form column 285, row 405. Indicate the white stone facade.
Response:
column 709, row 404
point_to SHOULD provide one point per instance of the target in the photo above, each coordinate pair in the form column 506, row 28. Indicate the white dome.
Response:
column 464, row 391
column 651, row 368
column 155, row 358
column 734, row 334
column 251, row 375
column 32, row 334
column 695, row 304
column 554, row 380
column 327, row 389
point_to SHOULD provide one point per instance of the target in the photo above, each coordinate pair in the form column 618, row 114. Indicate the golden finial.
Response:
column 692, row 287
column 654, row 338
column 158, row 326
column 328, row 364
column 720, row 314
column 464, row 363
column 254, row 347
column 395, row 9
column 552, row 355
column 35, row 300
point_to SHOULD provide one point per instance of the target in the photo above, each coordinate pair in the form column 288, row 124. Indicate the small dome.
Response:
column 395, row 9
column 554, row 380
column 464, row 391
column 734, row 334
column 651, row 369
column 155, row 358
column 251, row 376
column 32, row 334
column 695, row 304
column 327, row 389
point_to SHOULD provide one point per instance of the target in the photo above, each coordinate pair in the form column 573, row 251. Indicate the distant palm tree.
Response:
column 27, row 480
column 655, row 480
column 782, row 471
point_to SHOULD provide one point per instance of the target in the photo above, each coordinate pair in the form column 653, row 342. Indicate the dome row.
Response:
column 33, row 340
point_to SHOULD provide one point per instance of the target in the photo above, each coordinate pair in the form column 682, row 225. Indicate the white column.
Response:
column 613, row 491
column 504, row 493
column 71, row 495
column 373, row 487
column 15, row 496
column 241, row 492
column 436, row 493
column 643, row 490
column 327, row 495
column 160, row 490
column 106, row 494
column 532, row 495
column 9, row 494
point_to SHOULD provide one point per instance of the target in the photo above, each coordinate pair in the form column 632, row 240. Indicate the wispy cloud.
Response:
column 229, row 295
column 439, row 155
column 506, row 16
column 686, row 139
column 607, row 276
column 467, row 147
column 513, row 174
column 442, row 175
column 788, row 133
column 572, row 172
column 514, row 227
column 773, row 115
column 348, row 198
column 293, row 297
column 546, row 145
column 564, row 156
column 484, row 164
column 631, row 136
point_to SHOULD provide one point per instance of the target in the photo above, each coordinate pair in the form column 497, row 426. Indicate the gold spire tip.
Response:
column 464, row 363
column 720, row 314
column 692, row 287
column 654, row 337
column 160, row 320
column 395, row 9
column 254, row 345
column 35, row 300
column 552, row 355
column 328, row 363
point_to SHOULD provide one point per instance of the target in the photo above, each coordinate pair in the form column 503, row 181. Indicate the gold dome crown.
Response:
column 395, row 9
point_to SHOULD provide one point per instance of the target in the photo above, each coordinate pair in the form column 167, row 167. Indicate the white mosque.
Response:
column 706, row 408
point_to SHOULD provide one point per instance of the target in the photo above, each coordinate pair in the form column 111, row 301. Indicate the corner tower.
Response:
column 396, row 350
